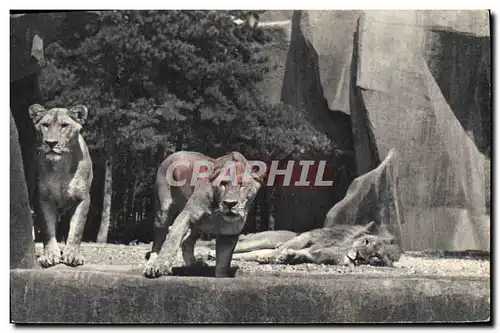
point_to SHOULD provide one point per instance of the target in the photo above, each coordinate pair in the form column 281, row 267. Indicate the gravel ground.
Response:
column 410, row 263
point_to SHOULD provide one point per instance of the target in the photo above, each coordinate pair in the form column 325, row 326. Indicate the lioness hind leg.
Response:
column 299, row 242
column 71, row 254
column 48, row 217
column 264, row 256
column 263, row 240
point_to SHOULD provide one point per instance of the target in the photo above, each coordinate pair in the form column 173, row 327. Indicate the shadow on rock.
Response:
column 208, row 271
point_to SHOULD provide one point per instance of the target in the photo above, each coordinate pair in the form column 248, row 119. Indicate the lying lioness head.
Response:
column 373, row 250
column 57, row 129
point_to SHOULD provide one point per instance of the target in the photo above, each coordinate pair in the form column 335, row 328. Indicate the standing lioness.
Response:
column 210, row 204
column 63, row 175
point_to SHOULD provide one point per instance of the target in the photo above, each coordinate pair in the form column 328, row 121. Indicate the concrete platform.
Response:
column 110, row 288
column 119, row 294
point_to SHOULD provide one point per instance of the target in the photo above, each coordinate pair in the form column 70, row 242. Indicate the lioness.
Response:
column 63, row 175
column 214, row 205
column 339, row 245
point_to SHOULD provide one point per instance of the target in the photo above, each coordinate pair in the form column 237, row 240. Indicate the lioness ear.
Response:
column 79, row 114
column 37, row 112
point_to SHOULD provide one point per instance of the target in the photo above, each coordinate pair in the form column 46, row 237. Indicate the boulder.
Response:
column 461, row 65
column 398, row 104
column 22, row 249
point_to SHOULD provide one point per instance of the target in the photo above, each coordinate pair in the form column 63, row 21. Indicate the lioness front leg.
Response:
column 160, row 228
column 294, row 257
column 51, row 253
column 71, row 254
column 188, row 249
column 224, row 248
column 161, row 264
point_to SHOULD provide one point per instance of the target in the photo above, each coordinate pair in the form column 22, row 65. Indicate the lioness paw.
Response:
column 263, row 260
column 380, row 262
column 51, row 256
column 72, row 257
column 48, row 260
column 155, row 270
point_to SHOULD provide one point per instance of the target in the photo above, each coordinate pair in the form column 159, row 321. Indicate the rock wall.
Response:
column 22, row 249
column 379, row 75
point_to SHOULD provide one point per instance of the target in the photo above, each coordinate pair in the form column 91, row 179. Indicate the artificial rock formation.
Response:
column 376, row 69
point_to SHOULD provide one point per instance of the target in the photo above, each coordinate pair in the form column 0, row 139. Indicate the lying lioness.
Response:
column 214, row 205
column 340, row 245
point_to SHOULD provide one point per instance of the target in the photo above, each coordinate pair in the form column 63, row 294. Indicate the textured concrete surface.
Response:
column 422, row 287
column 75, row 296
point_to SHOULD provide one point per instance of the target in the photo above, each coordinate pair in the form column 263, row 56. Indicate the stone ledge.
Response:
column 82, row 296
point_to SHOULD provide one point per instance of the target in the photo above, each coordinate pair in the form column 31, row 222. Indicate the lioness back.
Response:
column 181, row 165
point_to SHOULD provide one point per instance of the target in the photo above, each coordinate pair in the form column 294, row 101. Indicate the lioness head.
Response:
column 235, row 189
column 373, row 250
column 57, row 129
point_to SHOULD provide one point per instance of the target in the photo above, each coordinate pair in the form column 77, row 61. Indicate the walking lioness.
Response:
column 211, row 205
column 62, row 176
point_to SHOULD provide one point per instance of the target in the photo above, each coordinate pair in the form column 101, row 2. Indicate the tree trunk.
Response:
column 102, row 236
column 133, row 201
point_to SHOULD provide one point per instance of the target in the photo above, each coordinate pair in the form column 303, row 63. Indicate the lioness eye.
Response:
column 64, row 125
column 46, row 125
column 366, row 241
